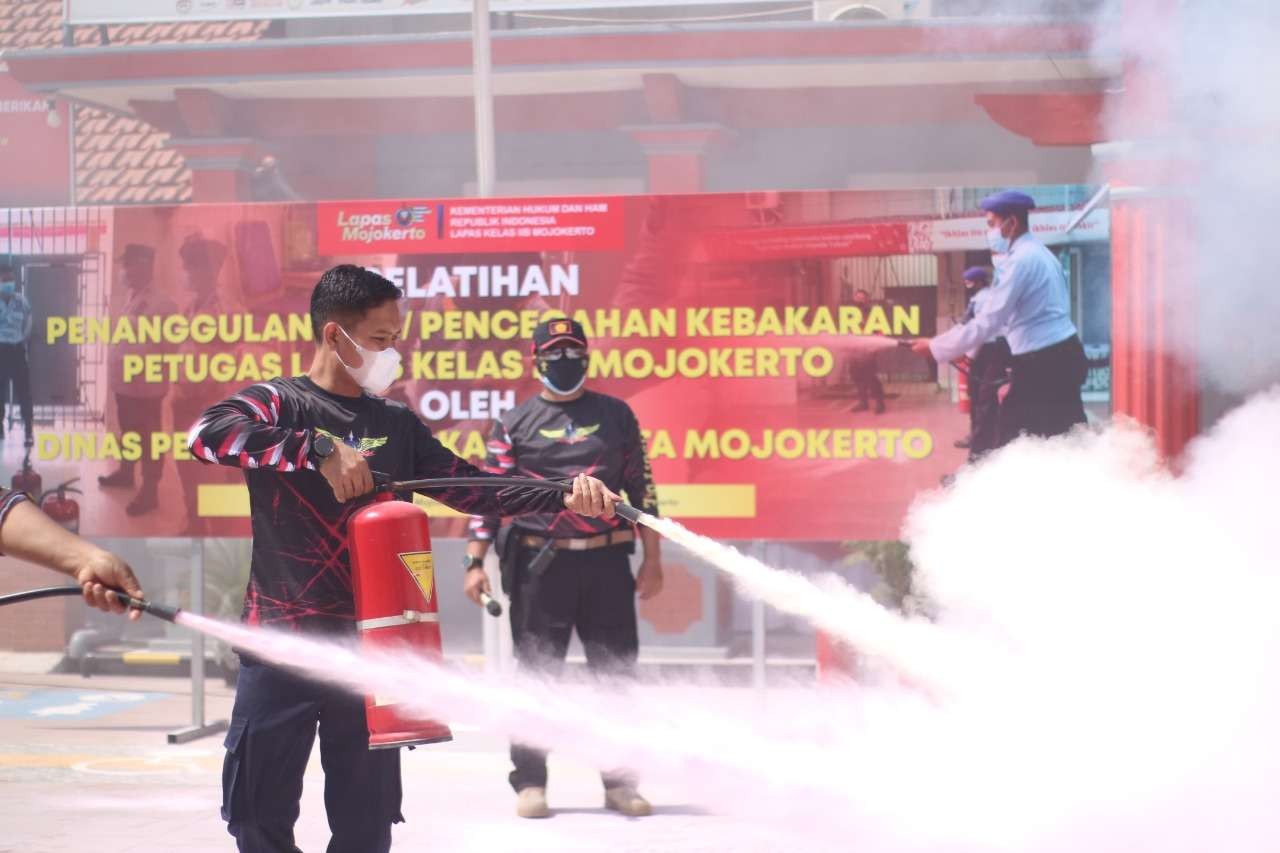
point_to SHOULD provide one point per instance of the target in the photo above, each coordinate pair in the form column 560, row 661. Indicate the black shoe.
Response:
column 859, row 407
column 880, row 408
column 962, row 444
column 118, row 480
column 142, row 504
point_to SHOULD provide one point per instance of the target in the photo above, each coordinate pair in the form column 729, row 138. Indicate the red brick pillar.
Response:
column 676, row 154
column 221, row 169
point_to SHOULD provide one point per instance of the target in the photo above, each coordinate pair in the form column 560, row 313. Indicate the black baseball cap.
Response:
column 199, row 253
column 138, row 253
column 558, row 330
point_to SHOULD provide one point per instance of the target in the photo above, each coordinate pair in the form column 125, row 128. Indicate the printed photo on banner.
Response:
column 760, row 339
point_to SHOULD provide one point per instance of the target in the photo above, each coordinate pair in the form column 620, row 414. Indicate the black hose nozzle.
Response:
column 491, row 604
column 160, row 611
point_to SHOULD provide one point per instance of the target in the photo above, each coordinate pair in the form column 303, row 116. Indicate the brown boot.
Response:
column 532, row 803
column 627, row 800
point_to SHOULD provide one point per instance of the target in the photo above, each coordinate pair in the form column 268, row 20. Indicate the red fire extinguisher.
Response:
column 836, row 661
column 27, row 480
column 61, row 508
column 393, row 575
column 962, row 384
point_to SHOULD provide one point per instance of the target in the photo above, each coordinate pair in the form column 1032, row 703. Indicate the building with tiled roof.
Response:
column 699, row 97
column 118, row 158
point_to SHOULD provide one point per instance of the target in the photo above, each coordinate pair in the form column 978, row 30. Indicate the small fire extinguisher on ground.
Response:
column 58, row 504
column 27, row 480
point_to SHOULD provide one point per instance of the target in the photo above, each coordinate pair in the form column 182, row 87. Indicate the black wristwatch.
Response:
column 321, row 449
column 471, row 561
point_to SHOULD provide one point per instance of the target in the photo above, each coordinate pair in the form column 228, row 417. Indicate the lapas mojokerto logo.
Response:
column 405, row 222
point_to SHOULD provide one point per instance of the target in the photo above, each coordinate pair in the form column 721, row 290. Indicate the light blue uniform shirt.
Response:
column 1028, row 304
column 15, row 319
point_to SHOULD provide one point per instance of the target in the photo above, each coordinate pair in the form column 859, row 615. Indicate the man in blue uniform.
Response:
column 1030, row 305
column 15, row 332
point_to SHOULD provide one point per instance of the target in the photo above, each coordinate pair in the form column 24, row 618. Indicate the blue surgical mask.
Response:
column 997, row 241
column 8, row 288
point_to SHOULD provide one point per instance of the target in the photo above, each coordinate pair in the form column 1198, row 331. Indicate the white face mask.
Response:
column 377, row 370
column 997, row 242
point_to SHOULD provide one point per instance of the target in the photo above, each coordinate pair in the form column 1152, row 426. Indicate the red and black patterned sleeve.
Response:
column 242, row 432
column 500, row 459
column 8, row 500
column 637, row 476
column 433, row 459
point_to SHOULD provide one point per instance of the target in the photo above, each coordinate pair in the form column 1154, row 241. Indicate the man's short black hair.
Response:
column 346, row 293
column 1024, row 219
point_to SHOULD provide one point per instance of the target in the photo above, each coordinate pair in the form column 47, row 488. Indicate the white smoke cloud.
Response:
column 1118, row 688
column 1216, row 62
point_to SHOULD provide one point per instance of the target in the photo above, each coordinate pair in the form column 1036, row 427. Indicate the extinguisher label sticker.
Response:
column 423, row 569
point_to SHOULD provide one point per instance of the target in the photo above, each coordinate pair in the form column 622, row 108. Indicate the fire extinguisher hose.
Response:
column 36, row 594
column 160, row 611
column 385, row 483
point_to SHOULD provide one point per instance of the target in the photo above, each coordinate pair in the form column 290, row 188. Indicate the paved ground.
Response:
column 84, row 766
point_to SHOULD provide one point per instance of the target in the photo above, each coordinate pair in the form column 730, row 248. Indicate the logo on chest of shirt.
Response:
column 366, row 446
column 571, row 434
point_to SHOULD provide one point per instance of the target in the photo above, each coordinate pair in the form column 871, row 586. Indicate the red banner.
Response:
column 837, row 239
column 479, row 225
column 737, row 344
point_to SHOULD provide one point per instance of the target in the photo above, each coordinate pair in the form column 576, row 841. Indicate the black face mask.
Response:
column 563, row 376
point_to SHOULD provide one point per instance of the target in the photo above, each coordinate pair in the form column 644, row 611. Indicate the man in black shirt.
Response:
column 307, row 446
column 563, row 571
column 864, row 367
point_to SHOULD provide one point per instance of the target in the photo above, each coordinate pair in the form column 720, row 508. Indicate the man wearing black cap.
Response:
column 563, row 571
column 1031, row 307
column 202, row 261
column 139, row 405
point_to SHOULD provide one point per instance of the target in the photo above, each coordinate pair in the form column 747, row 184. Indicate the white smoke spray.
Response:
column 1119, row 687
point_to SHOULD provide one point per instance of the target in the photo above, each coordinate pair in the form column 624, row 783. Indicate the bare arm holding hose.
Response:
column 29, row 534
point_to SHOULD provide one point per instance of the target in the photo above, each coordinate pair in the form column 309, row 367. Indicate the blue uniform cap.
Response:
column 1007, row 202
column 977, row 274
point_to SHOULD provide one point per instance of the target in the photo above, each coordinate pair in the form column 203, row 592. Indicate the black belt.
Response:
column 587, row 543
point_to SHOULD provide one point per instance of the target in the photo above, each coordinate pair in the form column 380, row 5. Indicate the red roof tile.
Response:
column 119, row 160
